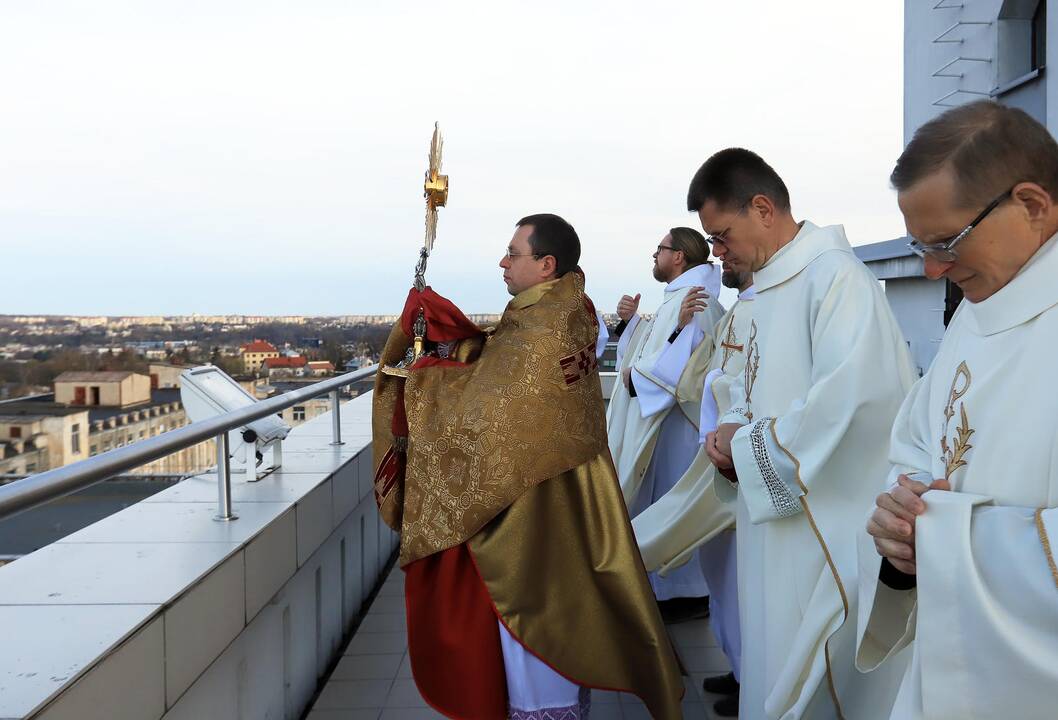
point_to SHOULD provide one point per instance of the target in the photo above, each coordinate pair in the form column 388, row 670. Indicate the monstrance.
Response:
column 435, row 189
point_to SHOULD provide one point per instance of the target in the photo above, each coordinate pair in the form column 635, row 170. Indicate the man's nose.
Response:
column 933, row 268
column 505, row 262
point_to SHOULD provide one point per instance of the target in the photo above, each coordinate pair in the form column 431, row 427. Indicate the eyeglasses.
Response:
column 943, row 250
column 511, row 255
column 719, row 237
column 665, row 247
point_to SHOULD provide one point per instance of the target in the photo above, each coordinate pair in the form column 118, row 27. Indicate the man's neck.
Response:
column 786, row 232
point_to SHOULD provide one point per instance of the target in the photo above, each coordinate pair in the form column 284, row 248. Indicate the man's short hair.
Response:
column 733, row 177
column 553, row 236
column 989, row 148
column 692, row 243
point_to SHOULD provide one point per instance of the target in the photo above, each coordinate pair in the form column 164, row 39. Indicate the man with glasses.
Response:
column 962, row 563
column 801, row 446
column 652, row 420
column 524, row 586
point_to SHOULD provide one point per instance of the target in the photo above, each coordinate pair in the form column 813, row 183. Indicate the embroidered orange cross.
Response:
column 729, row 346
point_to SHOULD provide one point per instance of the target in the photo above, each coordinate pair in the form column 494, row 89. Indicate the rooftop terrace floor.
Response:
column 372, row 680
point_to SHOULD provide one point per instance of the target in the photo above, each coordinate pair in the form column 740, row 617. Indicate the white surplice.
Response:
column 983, row 619
column 826, row 371
column 690, row 517
column 653, row 436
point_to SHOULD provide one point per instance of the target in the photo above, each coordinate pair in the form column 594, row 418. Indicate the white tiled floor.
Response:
column 373, row 679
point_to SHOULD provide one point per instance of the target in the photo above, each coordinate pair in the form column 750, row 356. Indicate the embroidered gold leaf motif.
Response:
column 752, row 361
column 954, row 455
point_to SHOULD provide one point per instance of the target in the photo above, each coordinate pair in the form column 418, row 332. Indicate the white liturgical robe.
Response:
column 826, row 371
column 653, row 435
column 983, row 619
column 690, row 515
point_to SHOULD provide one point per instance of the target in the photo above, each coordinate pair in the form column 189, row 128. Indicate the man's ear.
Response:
column 1036, row 201
column 550, row 265
column 764, row 208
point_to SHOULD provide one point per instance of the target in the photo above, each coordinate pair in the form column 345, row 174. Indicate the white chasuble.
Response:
column 983, row 619
column 826, row 371
column 667, row 378
column 691, row 514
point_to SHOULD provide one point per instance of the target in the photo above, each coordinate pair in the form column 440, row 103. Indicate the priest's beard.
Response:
column 733, row 279
column 659, row 274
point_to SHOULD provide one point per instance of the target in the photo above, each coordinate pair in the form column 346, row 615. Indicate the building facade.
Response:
column 957, row 51
column 255, row 353
column 90, row 413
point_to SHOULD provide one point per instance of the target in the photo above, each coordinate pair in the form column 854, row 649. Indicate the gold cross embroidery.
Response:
column 729, row 344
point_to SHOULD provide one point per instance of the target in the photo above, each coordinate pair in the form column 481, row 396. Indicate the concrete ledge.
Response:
column 159, row 610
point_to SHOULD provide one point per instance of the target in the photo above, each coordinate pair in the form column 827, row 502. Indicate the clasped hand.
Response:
column 892, row 524
column 718, row 448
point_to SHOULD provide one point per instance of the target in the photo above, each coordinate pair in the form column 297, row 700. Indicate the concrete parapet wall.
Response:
column 160, row 611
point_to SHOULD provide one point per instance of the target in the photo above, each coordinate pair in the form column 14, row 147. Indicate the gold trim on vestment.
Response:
column 830, row 564
column 1046, row 542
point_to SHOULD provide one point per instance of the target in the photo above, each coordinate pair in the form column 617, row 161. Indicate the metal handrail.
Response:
column 49, row 485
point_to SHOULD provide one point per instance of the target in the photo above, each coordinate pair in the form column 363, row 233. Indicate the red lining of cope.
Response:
column 451, row 630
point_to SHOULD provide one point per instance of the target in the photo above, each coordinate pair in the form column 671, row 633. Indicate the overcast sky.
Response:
column 267, row 158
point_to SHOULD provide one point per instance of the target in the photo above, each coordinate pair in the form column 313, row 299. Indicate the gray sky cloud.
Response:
column 267, row 158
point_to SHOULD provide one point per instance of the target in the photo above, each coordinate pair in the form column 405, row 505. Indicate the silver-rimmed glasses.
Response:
column 944, row 250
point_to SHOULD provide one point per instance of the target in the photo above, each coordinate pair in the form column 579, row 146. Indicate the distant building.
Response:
column 165, row 375
column 284, row 366
column 113, row 389
column 90, row 413
column 255, row 353
column 319, row 368
column 34, row 437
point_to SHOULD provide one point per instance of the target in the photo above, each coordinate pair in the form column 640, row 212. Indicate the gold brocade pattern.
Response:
column 482, row 434
column 591, row 614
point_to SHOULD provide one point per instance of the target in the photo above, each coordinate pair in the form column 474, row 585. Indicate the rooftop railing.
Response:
column 50, row 485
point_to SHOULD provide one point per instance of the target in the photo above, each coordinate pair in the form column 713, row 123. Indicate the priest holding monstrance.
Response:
column 524, row 586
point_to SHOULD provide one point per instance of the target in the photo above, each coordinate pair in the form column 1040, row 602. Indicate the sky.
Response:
column 267, row 157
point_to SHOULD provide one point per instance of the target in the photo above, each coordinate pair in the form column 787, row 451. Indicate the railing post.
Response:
column 336, row 420
column 224, row 513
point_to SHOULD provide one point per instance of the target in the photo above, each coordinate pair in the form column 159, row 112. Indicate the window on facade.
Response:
column 299, row 412
column 141, row 434
column 16, row 432
column 31, row 467
column 93, row 449
column 75, row 438
column 1039, row 35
